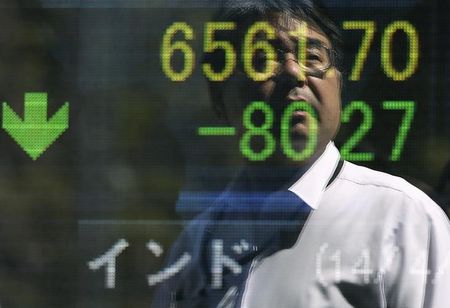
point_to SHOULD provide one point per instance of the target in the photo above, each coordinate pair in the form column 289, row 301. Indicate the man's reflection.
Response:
column 266, row 241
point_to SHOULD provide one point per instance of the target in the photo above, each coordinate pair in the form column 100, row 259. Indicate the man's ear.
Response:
column 341, row 81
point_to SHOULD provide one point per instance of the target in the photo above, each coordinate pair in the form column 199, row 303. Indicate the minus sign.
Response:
column 216, row 131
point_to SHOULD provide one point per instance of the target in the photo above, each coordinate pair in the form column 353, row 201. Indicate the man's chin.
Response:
column 288, row 153
column 298, row 143
column 300, row 146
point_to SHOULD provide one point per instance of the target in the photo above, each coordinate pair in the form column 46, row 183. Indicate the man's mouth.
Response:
column 299, row 116
column 299, row 124
column 301, row 120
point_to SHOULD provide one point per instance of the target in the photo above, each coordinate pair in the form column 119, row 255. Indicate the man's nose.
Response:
column 292, row 70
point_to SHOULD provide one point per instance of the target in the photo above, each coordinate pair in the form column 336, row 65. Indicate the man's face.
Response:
column 322, row 93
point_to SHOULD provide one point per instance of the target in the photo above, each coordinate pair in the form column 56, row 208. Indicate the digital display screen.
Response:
column 123, row 122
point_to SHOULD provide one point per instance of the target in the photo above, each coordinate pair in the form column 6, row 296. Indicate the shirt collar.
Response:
column 312, row 184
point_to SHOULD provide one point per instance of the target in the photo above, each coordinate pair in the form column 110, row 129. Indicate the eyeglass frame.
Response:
column 332, row 55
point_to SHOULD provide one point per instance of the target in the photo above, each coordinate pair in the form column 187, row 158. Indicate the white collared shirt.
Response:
column 372, row 240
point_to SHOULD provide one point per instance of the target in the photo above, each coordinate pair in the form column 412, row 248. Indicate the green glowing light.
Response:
column 216, row 131
column 363, row 129
column 409, row 108
column 253, row 130
column 286, row 143
column 35, row 133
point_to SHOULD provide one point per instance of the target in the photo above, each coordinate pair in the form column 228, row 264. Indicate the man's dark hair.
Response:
column 246, row 12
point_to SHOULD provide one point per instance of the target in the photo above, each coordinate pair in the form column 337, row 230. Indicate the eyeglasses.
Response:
column 318, row 60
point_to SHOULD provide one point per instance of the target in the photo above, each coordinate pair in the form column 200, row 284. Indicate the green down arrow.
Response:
column 35, row 134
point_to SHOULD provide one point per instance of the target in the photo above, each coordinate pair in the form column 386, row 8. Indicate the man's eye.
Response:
column 314, row 56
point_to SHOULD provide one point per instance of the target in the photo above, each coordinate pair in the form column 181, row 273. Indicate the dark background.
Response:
column 131, row 157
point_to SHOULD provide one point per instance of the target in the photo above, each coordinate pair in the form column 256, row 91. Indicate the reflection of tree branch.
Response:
column 444, row 179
